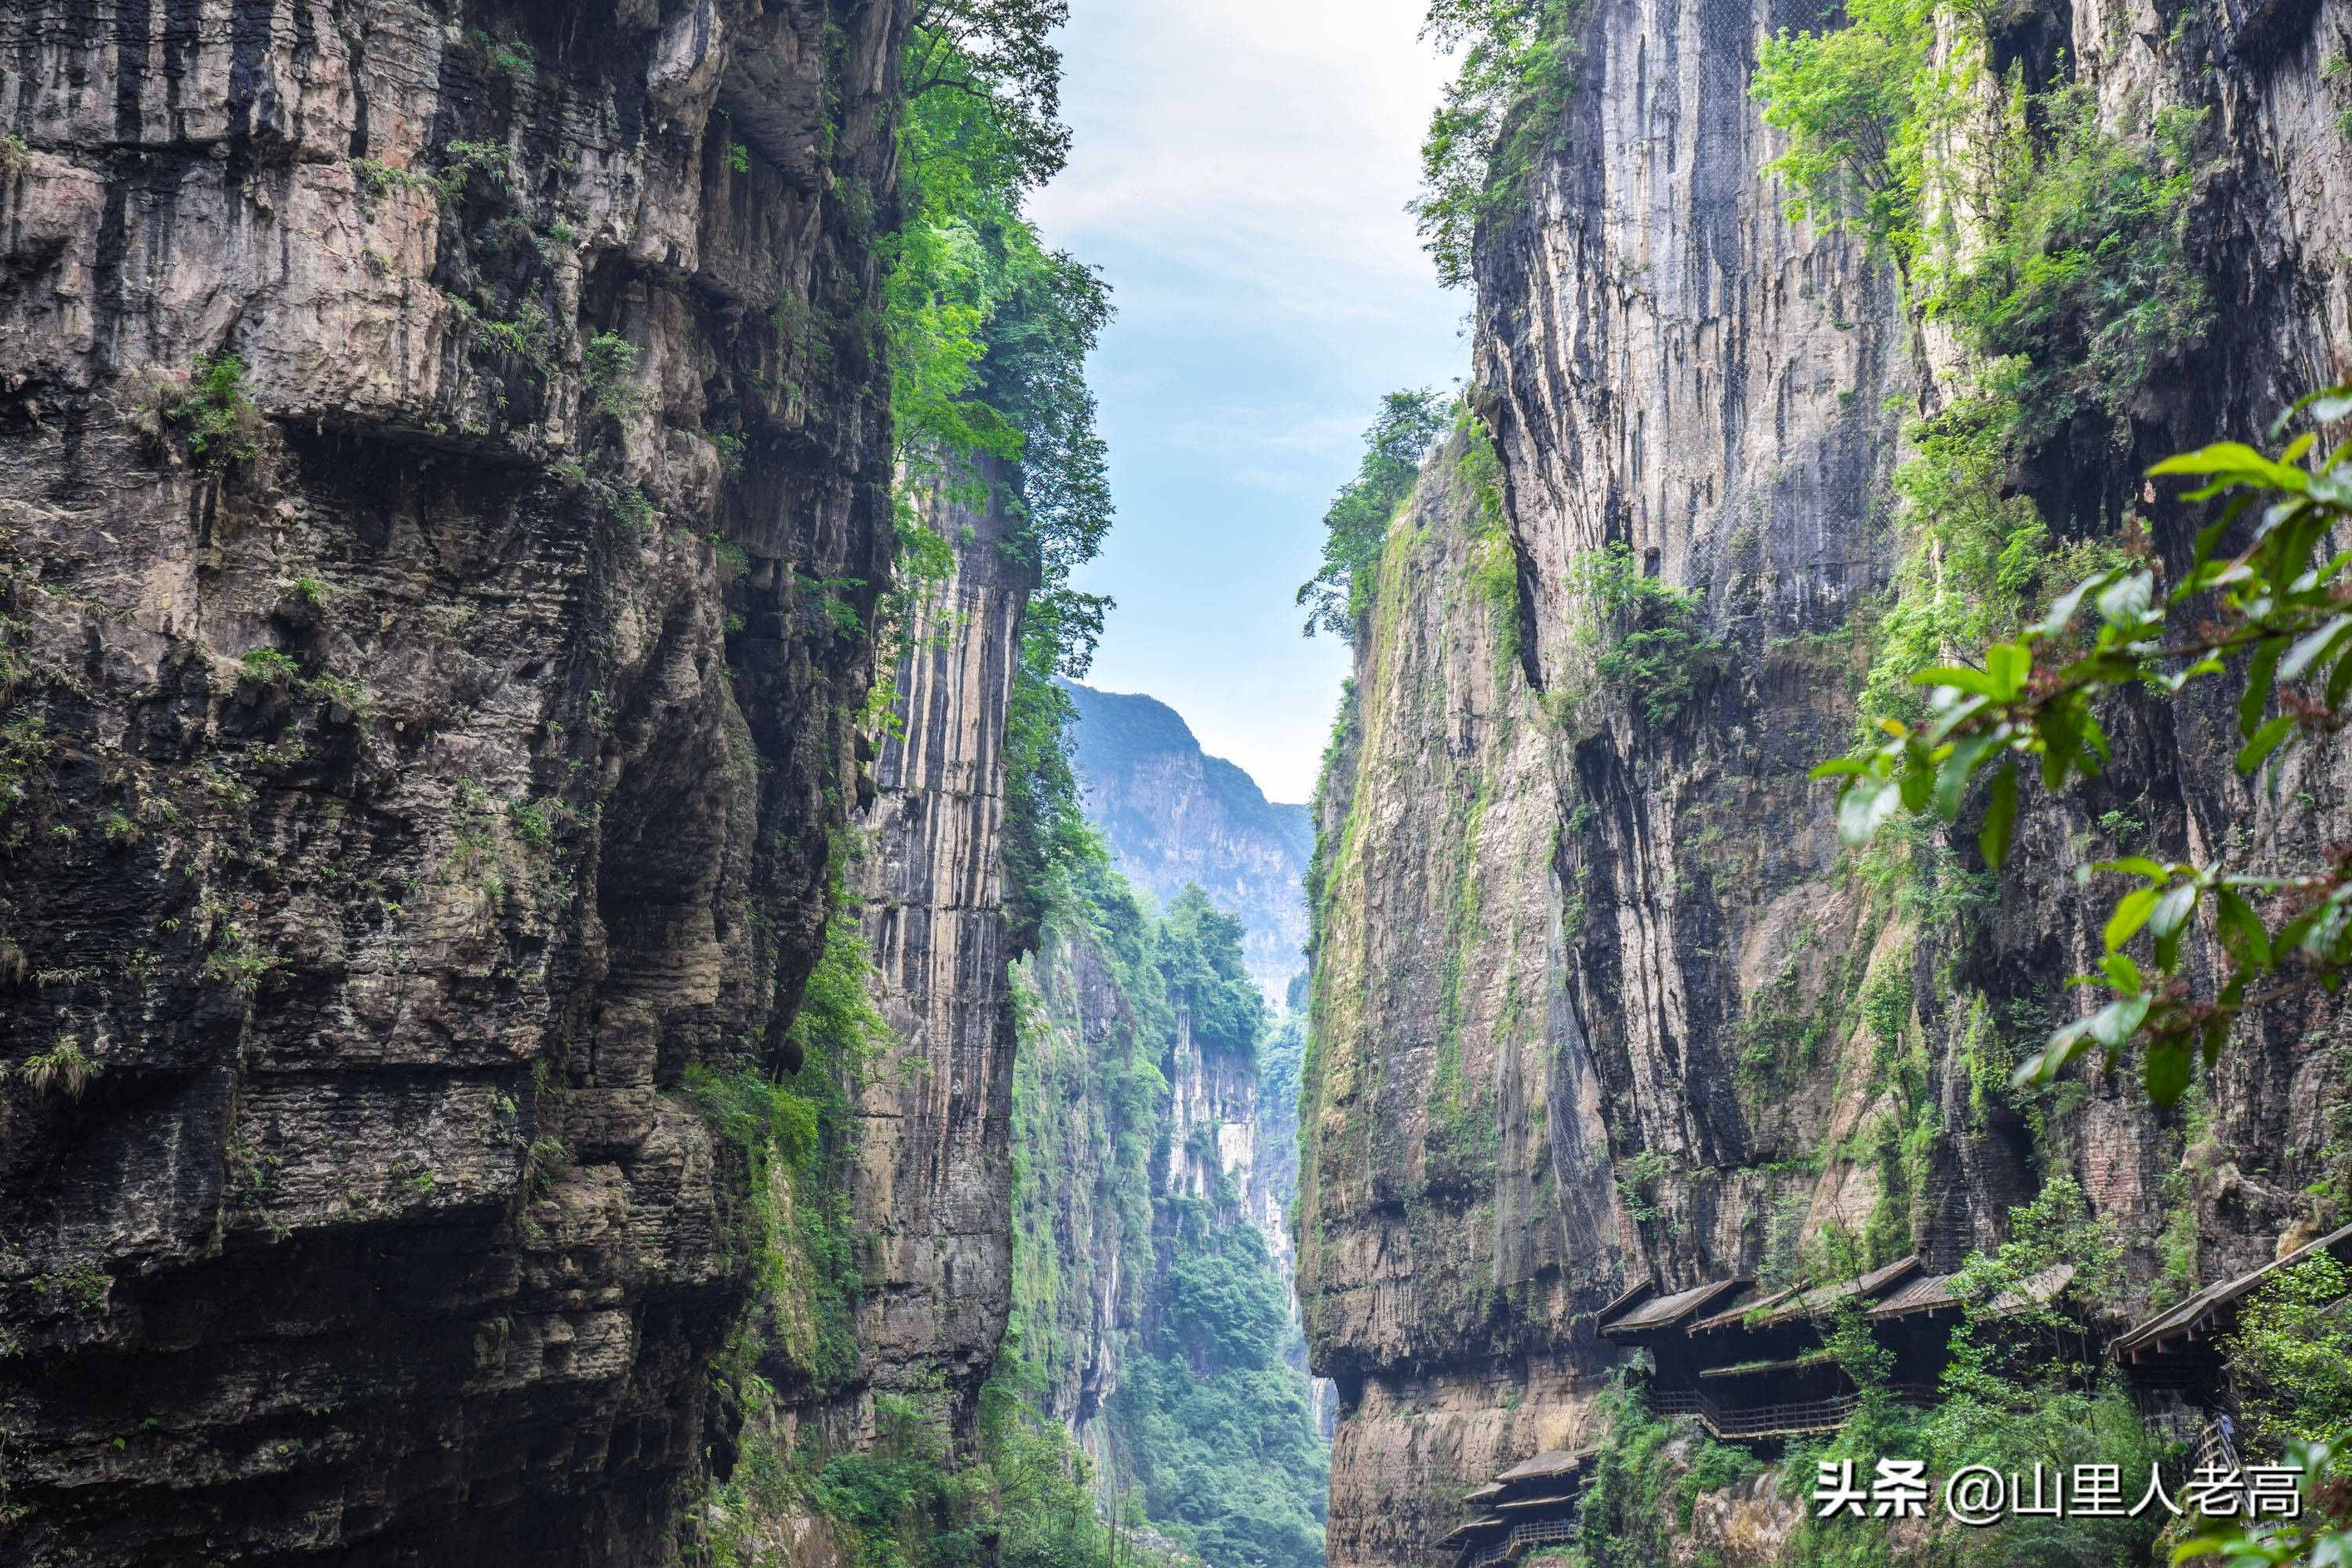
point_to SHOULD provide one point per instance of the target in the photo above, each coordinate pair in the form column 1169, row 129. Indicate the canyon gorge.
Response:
column 585, row 978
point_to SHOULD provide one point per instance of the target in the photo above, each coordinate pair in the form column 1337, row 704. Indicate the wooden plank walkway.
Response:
column 1755, row 1423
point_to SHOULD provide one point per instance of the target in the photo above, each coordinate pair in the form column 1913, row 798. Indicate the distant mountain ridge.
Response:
column 1172, row 813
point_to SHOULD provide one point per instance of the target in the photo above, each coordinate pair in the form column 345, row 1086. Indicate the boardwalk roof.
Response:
column 1469, row 1527
column 1797, row 1302
column 1481, row 1494
column 2197, row 1316
column 1529, row 1503
column 1933, row 1293
column 1550, row 1463
column 1666, row 1312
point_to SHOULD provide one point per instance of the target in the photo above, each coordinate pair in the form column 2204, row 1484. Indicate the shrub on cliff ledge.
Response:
column 1649, row 639
column 210, row 410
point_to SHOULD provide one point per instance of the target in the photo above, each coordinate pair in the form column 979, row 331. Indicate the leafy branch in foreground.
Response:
column 2283, row 615
column 2322, row 1538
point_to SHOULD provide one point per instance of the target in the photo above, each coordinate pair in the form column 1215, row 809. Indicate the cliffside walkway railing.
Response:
column 1522, row 1539
column 1753, row 1422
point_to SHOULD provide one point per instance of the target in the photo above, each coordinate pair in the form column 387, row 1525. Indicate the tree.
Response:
column 996, row 50
column 1852, row 101
column 1357, row 524
column 1503, row 107
column 2290, row 1356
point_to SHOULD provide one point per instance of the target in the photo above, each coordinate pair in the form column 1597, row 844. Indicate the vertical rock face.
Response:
column 438, row 440
column 935, row 1154
column 1085, row 1256
column 1595, row 998
column 1171, row 815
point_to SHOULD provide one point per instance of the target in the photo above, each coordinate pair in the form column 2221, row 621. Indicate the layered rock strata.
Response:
column 447, row 481
column 934, row 1176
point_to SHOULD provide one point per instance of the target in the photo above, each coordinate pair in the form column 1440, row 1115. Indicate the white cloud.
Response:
column 1241, row 168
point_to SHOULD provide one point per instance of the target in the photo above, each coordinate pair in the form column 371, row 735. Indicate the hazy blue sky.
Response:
column 1240, row 175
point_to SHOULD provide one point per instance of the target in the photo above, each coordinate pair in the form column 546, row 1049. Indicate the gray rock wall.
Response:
column 1588, row 984
column 393, row 812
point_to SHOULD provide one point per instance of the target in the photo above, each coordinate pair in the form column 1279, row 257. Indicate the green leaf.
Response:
column 2255, row 753
column 2122, row 974
column 2061, row 744
column 1840, row 767
column 2062, row 611
column 2001, row 818
column 2126, row 599
column 2312, row 647
column 2173, row 910
column 1952, row 778
column 2236, row 462
column 1919, row 785
column 1863, row 807
column 1960, row 677
column 2008, row 664
column 2115, row 1023
column 2339, row 680
column 2165, row 1069
column 2241, row 932
column 2260, row 670
column 2136, row 866
column 2131, row 912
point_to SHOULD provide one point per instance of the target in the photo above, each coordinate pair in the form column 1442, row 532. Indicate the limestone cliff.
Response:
column 1172, row 813
column 447, row 482
column 1596, row 996
column 934, row 1171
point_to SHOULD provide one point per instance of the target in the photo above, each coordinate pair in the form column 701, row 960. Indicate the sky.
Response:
column 1239, row 173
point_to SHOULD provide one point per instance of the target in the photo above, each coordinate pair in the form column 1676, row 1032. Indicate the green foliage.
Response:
column 2274, row 615
column 489, row 159
column 2083, row 288
column 988, row 330
column 1858, row 104
column 1199, row 950
column 1216, row 1430
column 996, row 52
column 1646, row 1481
column 1356, row 525
column 1020, row 1498
column 2291, row 1356
column 796, row 1140
column 1649, row 640
column 1501, row 111
column 530, row 335
column 509, row 59
column 609, row 361
column 63, row 1068
column 211, row 410
column 268, row 667
column 2321, row 1538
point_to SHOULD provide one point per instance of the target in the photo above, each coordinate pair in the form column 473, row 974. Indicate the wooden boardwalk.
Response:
column 1755, row 1423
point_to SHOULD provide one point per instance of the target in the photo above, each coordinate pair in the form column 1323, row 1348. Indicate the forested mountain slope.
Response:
column 1172, row 814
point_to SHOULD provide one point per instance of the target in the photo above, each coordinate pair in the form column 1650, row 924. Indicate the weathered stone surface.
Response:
column 1571, row 956
column 934, row 1178
column 393, row 814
